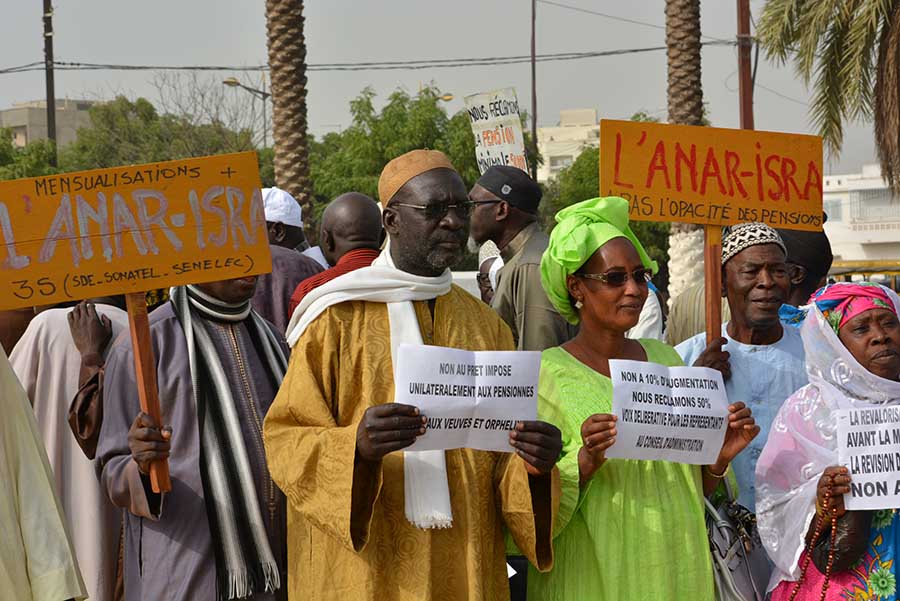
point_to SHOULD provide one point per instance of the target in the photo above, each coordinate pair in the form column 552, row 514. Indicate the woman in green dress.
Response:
column 626, row 529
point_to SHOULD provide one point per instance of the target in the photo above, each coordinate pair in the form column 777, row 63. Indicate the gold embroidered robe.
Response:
column 348, row 536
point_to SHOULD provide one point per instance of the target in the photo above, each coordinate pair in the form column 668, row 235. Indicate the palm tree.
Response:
column 685, row 95
column 850, row 51
column 287, row 61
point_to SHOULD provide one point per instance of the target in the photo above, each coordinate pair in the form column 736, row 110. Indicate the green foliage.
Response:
column 352, row 159
column 125, row 132
column 646, row 117
column 581, row 181
column 31, row 161
column 266, row 157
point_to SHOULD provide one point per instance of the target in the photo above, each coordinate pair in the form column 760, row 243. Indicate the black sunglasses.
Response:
column 439, row 210
column 618, row 278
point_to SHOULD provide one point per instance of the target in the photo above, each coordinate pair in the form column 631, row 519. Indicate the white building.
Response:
column 560, row 146
column 863, row 217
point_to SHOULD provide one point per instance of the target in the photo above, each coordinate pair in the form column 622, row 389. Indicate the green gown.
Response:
column 634, row 532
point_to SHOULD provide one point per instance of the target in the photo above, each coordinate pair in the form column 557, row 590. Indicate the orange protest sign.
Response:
column 131, row 229
column 713, row 176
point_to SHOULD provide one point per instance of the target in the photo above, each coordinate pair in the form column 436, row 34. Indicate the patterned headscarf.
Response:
column 803, row 438
column 744, row 235
column 839, row 303
column 581, row 229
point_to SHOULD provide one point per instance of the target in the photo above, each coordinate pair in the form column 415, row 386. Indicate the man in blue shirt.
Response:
column 761, row 361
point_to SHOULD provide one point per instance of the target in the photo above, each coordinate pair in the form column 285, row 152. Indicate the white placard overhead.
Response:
column 471, row 399
column 675, row 414
column 869, row 445
column 497, row 128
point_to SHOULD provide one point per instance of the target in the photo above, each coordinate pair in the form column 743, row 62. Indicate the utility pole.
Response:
column 48, row 72
column 534, row 87
column 745, row 76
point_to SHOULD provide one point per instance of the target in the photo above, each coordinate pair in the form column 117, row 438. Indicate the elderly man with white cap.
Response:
column 284, row 219
column 273, row 292
column 763, row 363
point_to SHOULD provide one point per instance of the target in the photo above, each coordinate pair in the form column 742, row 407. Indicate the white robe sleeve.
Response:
column 650, row 323
column 39, row 562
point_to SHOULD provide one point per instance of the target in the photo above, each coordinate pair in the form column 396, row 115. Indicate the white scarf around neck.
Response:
column 426, row 491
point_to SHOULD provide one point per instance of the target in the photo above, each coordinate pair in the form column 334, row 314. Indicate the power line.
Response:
column 355, row 66
column 615, row 17
column 22, row 68
column 780, row 95
column 604, row 15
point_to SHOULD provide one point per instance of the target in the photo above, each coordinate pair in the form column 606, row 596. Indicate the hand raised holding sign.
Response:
column 741, row 430
column 598, row 433
column 716, row 358
column 387, row 428
column 90, row 331
column 148, row 442
column 539, row 444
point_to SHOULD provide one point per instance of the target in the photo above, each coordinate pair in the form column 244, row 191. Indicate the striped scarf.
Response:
column 245, row 564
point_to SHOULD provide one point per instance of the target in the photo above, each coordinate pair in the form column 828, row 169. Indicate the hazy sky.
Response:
column 232, row 32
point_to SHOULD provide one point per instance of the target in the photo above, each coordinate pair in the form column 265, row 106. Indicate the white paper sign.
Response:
column 472, row 399
column 675, row 414
column 497, row 129
column 869, row 445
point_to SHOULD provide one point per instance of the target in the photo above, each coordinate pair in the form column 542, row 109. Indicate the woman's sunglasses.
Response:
column 618, row 278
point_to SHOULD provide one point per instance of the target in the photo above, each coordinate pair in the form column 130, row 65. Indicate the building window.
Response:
column 874, row 206
column 834, row 209
column 558, row 163
column 20, row 136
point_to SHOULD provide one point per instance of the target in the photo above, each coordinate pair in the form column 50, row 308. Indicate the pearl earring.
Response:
column 579, row 304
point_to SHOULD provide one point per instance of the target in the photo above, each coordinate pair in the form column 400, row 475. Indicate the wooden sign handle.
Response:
column 712, row 265
column 145, row 374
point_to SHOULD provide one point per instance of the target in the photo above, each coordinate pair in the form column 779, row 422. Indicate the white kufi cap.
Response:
column 281, row 207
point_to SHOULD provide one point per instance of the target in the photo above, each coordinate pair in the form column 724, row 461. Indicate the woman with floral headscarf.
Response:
column 852, row 340
column 626, row 529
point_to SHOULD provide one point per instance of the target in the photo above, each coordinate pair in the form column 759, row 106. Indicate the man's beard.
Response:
column 435, row 258
column 440, row 259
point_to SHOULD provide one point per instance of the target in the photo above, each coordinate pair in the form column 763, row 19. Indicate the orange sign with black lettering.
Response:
column 131, row 229
column 713, row 176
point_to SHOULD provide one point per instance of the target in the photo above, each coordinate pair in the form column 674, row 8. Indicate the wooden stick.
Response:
column 145, row 374
column 712, row 265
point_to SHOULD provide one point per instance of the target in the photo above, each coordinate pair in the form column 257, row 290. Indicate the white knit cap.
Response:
column 487, row 251
column 744, row 235
column 281, row 207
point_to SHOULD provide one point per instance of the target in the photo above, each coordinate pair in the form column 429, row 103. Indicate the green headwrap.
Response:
column 581, row 229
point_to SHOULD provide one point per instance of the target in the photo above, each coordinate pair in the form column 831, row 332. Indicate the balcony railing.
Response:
column 874, row 206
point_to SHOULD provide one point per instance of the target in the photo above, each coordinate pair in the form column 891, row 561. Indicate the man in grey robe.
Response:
column 505, row 210
column 220, row 532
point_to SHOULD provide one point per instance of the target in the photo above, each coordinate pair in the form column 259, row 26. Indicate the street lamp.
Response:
column 233, row 82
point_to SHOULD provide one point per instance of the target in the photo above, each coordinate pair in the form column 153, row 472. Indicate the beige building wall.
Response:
column 560, row 145
column 28, row 120
column 863, row 216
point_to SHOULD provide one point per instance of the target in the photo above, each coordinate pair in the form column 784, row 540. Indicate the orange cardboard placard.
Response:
column 713, row 176
column 131, row 229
